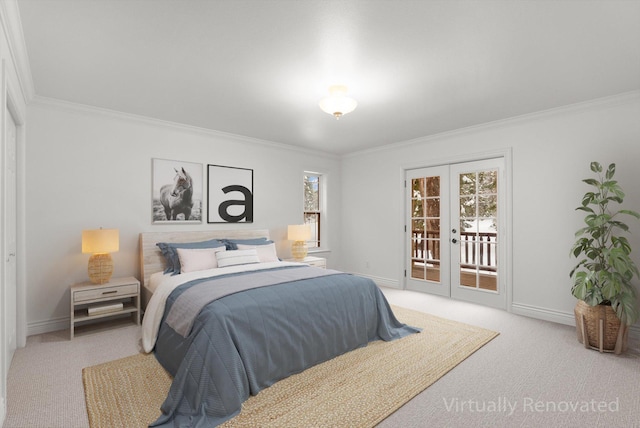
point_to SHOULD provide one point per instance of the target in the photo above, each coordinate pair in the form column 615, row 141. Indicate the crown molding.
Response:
column 12, row 24
column 39, row 101
column 570, row 108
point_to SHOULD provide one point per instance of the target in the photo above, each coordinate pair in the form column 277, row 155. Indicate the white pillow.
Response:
column 266, row 253
column 237, row 257
column 193, row 259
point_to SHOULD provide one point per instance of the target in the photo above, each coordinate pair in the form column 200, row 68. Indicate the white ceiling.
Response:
column 258, row 68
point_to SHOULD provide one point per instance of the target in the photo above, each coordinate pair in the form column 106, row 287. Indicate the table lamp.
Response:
column 299, row 233
column 99, row 243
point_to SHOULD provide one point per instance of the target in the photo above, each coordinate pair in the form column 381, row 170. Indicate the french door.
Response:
column 454, row 242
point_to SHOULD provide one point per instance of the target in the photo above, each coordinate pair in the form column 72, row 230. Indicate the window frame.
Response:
column 315, row 245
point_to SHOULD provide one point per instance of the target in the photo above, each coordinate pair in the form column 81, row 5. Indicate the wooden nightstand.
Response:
column 88, row 297
column 319, row 262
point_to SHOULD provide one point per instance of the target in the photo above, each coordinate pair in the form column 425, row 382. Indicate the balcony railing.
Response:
column 426, row 246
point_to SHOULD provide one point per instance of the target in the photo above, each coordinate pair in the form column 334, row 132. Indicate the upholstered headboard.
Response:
column 152, row 261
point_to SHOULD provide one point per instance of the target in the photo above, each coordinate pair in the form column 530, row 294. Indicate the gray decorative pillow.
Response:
column 232, row 243
column 168, row 250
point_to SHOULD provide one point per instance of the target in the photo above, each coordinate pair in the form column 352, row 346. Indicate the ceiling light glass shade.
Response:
column 337, row 103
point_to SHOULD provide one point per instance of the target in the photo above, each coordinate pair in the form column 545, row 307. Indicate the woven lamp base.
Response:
column 100, row 268
column 299, row 250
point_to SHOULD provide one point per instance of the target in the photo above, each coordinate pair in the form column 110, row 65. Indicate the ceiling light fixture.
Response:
column 337, row 103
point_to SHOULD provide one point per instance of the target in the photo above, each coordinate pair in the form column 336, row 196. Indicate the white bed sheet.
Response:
column 155, row 280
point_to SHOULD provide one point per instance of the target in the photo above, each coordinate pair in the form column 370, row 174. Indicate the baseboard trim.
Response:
column 540, row 313
column 559, row 317
column 634, row 331
column 47, row 326
column 381, row 281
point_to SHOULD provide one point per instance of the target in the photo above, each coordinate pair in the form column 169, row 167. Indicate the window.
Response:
column 312, row 206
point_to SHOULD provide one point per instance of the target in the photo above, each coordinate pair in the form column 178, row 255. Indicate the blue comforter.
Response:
column 244, row 342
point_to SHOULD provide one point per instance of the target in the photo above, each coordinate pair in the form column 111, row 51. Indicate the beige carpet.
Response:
column 358, row 389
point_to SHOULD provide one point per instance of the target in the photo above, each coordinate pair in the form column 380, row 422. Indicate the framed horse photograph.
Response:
column 176, row 192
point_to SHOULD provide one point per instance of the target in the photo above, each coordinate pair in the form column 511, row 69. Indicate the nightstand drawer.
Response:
column 317, row 262
column 99, row 293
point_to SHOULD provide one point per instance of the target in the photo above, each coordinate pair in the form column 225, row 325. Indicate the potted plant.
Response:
column 602, row 279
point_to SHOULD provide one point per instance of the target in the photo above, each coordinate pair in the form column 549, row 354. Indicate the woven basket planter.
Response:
column 599, row 328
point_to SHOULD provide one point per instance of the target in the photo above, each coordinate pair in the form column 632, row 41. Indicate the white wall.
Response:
column 551, row 153
column 88, row 169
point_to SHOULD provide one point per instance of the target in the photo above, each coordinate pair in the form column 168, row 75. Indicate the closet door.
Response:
column 8, row 234
column 9, row 215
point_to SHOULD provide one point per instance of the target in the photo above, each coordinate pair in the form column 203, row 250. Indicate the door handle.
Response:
column 454, row 240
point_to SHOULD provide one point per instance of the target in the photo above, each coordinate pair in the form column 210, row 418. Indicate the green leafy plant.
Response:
column 604, row 274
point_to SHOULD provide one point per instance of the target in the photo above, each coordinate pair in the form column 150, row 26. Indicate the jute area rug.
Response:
column 357, row 389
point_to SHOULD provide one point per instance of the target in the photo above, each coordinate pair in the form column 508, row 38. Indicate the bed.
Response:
column 229, row 331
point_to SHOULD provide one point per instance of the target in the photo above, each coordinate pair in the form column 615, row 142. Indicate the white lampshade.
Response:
column 337, row 103
column 299, row 232
column 98, row 241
